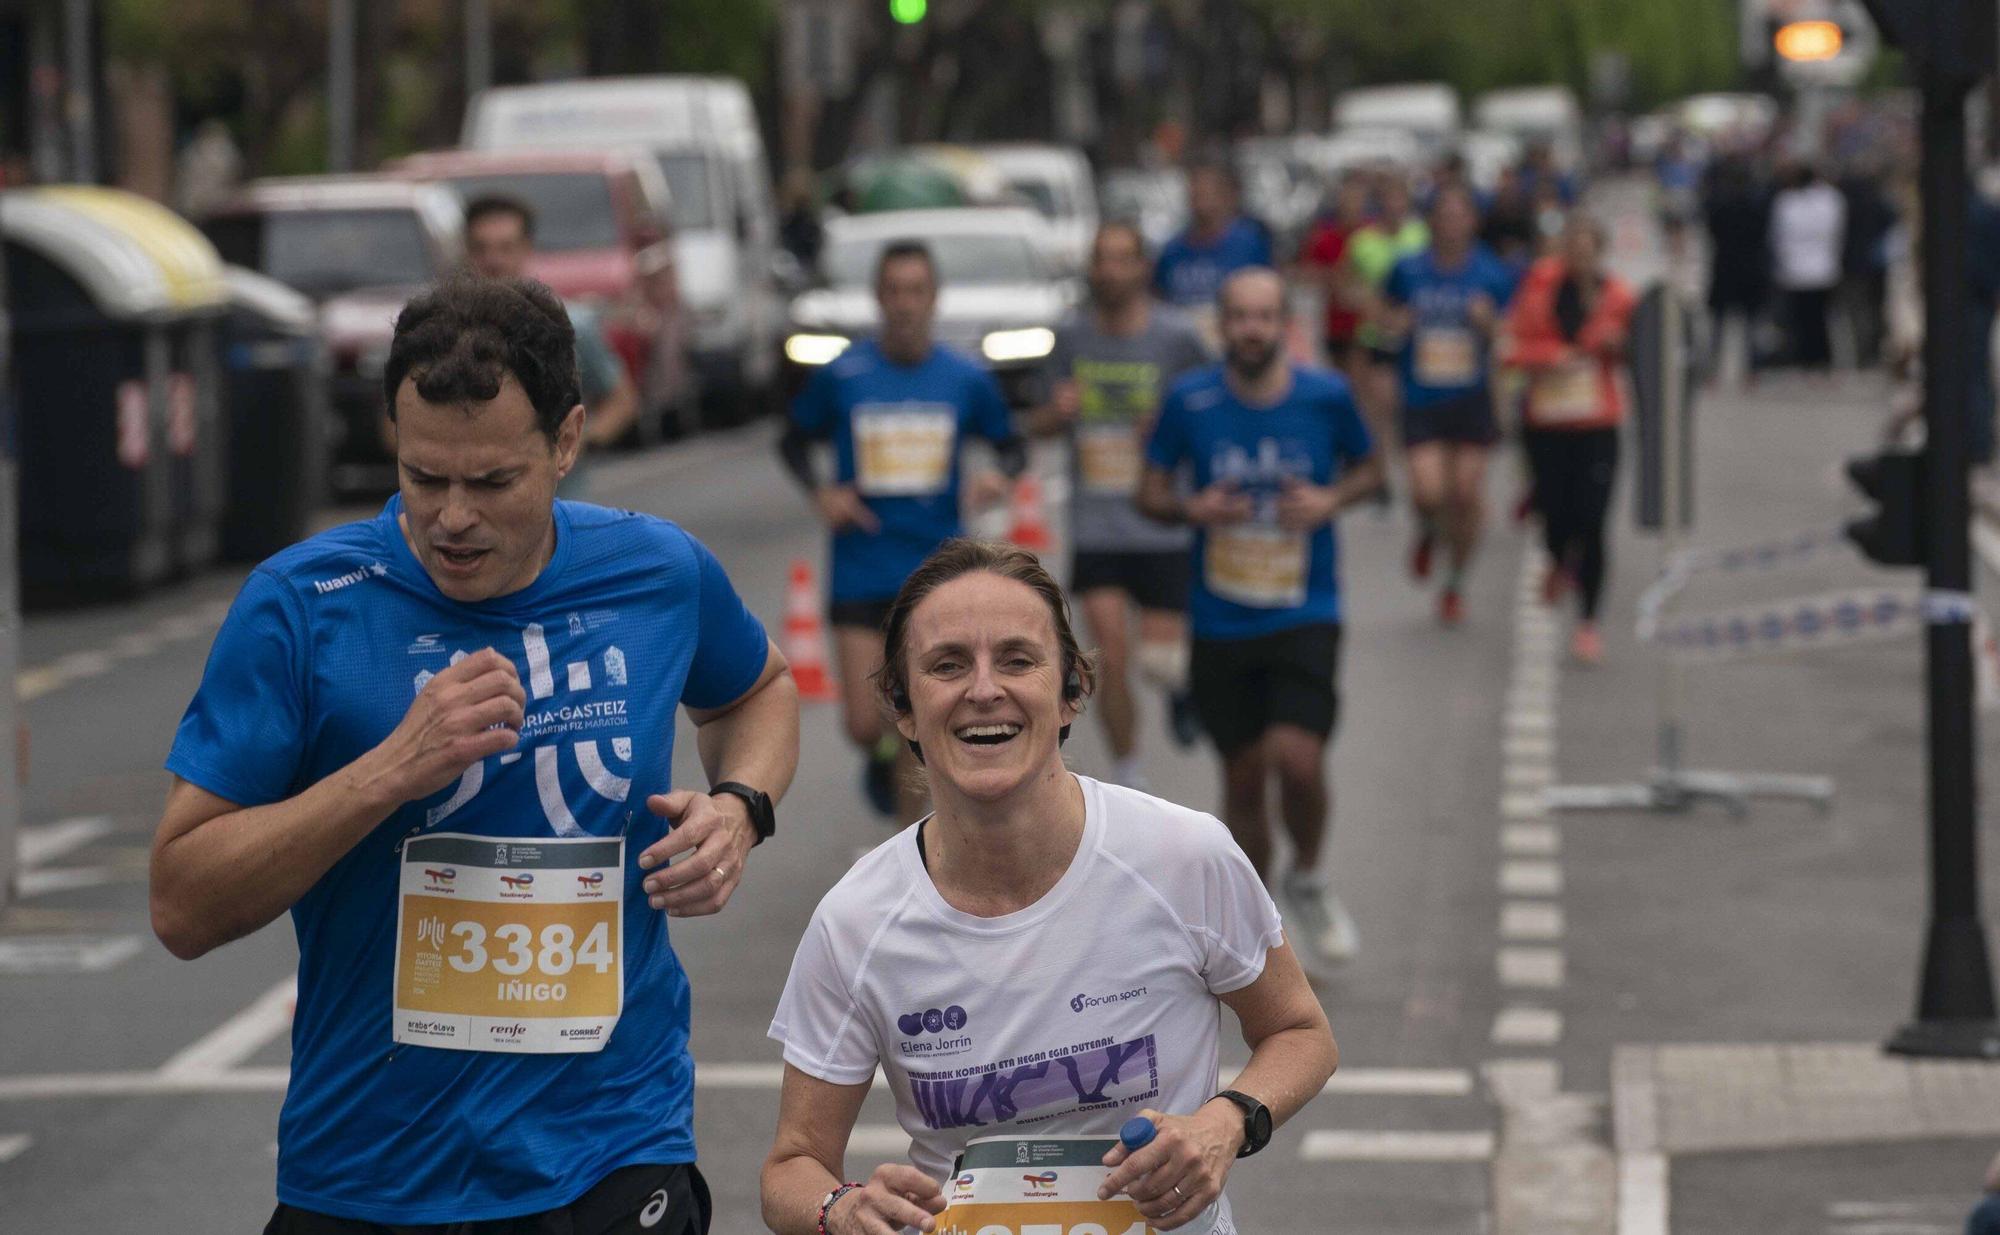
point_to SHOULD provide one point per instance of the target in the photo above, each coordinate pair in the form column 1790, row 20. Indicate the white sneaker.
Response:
column 1322, row 931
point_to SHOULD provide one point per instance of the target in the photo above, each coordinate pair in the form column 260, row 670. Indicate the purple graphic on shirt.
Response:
column 1038, row 1087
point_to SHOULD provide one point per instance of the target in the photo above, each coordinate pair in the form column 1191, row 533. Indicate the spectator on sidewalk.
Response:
column 1864, row 276
column 1738, row 216
column 1808, row 223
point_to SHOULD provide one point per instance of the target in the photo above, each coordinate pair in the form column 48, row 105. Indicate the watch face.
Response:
column 1260, row 1126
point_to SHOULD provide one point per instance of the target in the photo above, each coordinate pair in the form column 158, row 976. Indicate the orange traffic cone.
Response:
column 805, row 637
column 1030, row 525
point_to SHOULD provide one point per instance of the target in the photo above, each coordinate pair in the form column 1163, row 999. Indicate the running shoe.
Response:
column 1586, row 646
column 1451, row 607
column 878, row 778
column 1420, row 556
column 1182, row 719
column 1555, row 584
column 1322, row 931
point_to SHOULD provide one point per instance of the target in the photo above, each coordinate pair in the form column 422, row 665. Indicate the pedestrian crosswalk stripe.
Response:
column 1329, row 1145
column 13, row 1145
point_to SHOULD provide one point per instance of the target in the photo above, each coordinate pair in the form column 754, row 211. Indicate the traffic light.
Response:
column 1894, row 481
column 908, row 12
column 1805, row 42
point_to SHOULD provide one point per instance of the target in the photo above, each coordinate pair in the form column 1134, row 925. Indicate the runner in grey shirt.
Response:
column 1113, row 362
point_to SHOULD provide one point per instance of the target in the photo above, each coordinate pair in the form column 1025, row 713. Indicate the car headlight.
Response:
column 1030, row 344
column 814, row 349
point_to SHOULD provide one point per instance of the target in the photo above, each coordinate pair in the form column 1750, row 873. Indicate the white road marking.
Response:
column 41, row 883
column 1530, row 840
column 1529, row 724
column 1894, row 1226
column 1529, row 877
column 1327, row 1145
column 1531, row 920
column 41, row 844
column 81, row 666
column 1527, row 774
column 65, row 954
column 1528, row 747
column 1524, row 806
column 1517, row 1026
column 1534, row 968
column 1402, row 1082
column 140, row 1084
column 13, row 1145
column 1917, row 1207
column 238, row 1038
column 1642, row 1194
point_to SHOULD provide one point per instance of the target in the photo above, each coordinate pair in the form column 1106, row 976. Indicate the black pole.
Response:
column 1955, row 1014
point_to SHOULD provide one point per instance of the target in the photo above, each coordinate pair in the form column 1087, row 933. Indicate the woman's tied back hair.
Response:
column 460, row 339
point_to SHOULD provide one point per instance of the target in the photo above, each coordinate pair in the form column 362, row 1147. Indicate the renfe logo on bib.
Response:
column 519, row 948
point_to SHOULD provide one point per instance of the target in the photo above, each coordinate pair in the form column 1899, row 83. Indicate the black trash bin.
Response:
column 114, row 300
column 274, row 392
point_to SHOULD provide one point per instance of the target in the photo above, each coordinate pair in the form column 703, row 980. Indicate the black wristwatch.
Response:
column 1256, row 1121
column 762, row 817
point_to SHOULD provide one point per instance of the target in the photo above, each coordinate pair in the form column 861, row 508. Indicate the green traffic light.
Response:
column 908, row 12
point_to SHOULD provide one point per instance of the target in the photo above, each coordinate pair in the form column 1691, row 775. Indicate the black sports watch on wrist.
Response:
column 762, row 817
column 1256, row 1121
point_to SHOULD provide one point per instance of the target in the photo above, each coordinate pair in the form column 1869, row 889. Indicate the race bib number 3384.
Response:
column 505, row 945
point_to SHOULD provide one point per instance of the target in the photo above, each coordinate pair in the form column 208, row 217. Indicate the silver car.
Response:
column 1001, row 293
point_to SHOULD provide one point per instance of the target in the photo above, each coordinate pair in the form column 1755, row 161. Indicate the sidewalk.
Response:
column 1731, row 981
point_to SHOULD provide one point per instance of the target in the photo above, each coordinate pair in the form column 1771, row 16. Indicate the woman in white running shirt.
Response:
column 1044, row 953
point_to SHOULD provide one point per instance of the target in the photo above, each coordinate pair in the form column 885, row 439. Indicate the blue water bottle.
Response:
column 1137, row 1133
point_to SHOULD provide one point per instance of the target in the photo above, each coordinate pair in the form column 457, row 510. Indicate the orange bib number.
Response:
column 1447, row 357
column 1262, row 567
column 506, row 945
column 1107, row 459
column 1566, row 396
column 903, row 450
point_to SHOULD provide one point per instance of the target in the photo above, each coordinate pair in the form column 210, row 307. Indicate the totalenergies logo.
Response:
column 592, row 879
column 518, row 883
column 1042, row 1184
column 440, row 878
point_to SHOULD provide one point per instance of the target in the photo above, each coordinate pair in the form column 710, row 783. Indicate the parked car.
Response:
column 703, row 134
column 999, row 301
column 1428, row 110
column 1537, row 115
column 359, row 247
column 1155, row 198
column 1056, row 181
column 603, row 224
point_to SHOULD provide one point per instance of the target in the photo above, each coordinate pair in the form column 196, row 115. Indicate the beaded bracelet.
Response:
column 826, row 1206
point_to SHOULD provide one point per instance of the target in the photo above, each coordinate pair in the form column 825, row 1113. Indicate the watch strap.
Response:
column 1252, row 1110
column 763, row 819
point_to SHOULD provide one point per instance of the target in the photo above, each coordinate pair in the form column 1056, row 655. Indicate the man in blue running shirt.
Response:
column 442, row 738
column 897, row 409
column 1218, row 241
column 1275, row 452
column 1445, row 304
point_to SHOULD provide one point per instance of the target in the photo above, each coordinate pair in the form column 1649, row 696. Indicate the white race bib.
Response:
column 1107, row 459
column 1565, row 395
column 1446, row 357
column 1044, row 1185
column 903, row 449
column 1262, row 567
column 510, row 945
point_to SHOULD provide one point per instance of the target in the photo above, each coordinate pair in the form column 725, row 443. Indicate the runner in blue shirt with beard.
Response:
column 1445, row 304
column 442, row 738
column 1219, row 241
column 897, row 410
column 1275, row 452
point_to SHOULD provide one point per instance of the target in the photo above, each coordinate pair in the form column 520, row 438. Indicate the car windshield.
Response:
column 1040, row 194
column 687, row 180
column 572, row 209
column 323, row 253
column 968, row 257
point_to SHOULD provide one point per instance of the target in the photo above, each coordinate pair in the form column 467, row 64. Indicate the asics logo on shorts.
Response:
column 656, row 1209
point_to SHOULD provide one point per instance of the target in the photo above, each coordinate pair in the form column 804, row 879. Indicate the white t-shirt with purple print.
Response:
column 1065, row 1017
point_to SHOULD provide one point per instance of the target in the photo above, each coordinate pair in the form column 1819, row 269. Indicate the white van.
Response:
column 1548, row 115
column 703, row 131
column 1427, row 110
column 1056, row 181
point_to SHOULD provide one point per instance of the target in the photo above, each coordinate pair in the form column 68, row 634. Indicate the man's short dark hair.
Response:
column 905, row 250
column 1128, row 228
column 492, row 205
column 459, row 340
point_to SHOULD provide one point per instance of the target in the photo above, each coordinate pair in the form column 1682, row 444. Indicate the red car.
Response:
column 602, row 228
